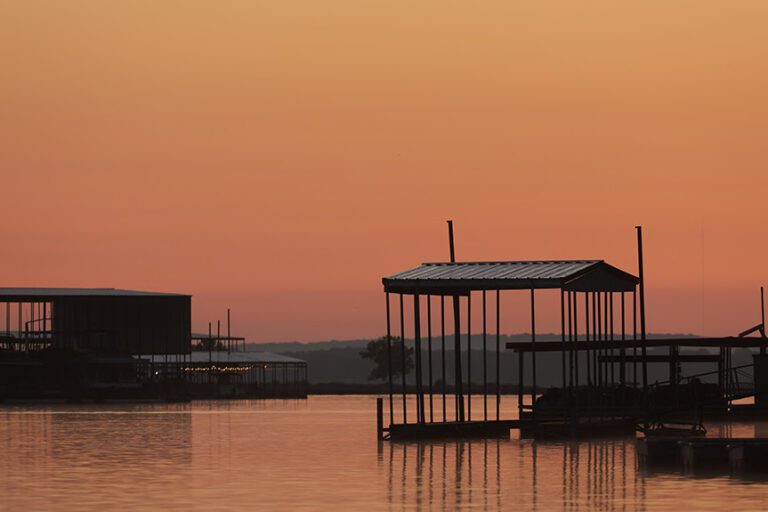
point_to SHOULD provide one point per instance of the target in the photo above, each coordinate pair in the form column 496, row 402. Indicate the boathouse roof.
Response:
column 462, row 277
column 251, row 357
column 100, row 320
column 50, row 293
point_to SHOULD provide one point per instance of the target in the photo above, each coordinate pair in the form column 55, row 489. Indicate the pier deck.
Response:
column 453, row 429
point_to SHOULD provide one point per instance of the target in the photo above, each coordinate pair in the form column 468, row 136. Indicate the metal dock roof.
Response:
column 572, row 275
column 222, row 356
column 48, row 293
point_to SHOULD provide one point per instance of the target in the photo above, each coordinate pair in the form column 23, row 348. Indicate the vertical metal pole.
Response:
column 623, row 371
column 588, row 339
column 498, row 354
column 429, row 355
column 210, row 356
column 613, row 365
column 442, row 345
column 520, row 384
column 762, row 317
column 45, row 320
column 469, row 356
column 457, row 336
column 459, row 391
column 389, row 365
column 533, row 351
column 562, row 337
column 485, row 364
column 31, row 328
column 595, row 337
column 576, row 337
column 379, row 419
column 641, row 275
column 417, row 342
column 229, row 331
column 573, row 384
column 402, row 353
column 600, row 332
column 570, row 340
column 634, row 337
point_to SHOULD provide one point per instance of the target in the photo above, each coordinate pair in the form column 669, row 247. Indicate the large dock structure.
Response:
column 109, row 344
column 79, row 343
column 603, row 354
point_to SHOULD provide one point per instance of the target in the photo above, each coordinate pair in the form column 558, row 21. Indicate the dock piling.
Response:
column 379, row 419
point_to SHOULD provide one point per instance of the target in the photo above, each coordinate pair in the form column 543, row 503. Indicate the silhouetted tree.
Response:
column 207, row 344
column 376, row 351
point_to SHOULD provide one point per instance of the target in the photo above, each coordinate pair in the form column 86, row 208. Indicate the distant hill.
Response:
column 300, row 346
column 339, row 361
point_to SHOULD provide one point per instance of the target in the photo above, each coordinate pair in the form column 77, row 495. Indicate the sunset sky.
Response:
column 281, row 157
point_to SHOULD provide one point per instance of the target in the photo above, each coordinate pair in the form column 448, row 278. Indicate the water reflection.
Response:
column 586, row 475
column 319, row 454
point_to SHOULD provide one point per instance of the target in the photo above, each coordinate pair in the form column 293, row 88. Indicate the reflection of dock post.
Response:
column 379, row 419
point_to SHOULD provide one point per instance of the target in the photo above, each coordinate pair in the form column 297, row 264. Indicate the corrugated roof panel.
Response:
column 222, row 356
column 80, row 292
column 478, row 275
column 496, row 270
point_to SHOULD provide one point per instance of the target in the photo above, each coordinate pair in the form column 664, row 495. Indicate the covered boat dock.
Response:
column 427, row 286
column 603, row 353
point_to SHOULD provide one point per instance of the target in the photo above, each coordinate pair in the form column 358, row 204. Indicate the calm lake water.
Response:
column 320, row 454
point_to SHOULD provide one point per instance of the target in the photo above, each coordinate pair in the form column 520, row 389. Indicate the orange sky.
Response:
column 280, row 157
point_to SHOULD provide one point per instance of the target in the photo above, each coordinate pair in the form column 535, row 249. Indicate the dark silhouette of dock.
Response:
column 96, row 344
column 603, row 350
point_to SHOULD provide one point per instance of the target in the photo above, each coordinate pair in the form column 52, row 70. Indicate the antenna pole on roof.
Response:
column 642, row 300
column 458, row 382
column 450, row 241
column 762, row 316
column 210, row 342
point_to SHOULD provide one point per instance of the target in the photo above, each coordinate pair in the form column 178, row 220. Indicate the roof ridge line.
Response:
column 520, row 262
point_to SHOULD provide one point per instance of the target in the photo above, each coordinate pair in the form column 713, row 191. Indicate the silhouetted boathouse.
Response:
column 427, row 287
column 104, row 343
column 603, row 356
column 78, row 343
column 244, row 374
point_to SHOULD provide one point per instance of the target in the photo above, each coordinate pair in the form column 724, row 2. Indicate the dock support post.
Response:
column 379, row 419
column 459, row 392
column 571, row 352
column 576, row 337
column 429, row 355
column 642, row 303
column 485, row 364
column 587, row 338
column 562, row 337
column 389, row 365
column 533, row 354
column 623, row 353
column 613, row 350
column 402, row 354
column 469, row 356
column 520, row 394
column 762, row 319
column 498, row 353
column 417, row 344
column 595, row 337
column 442, row 347
column 562, row 355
